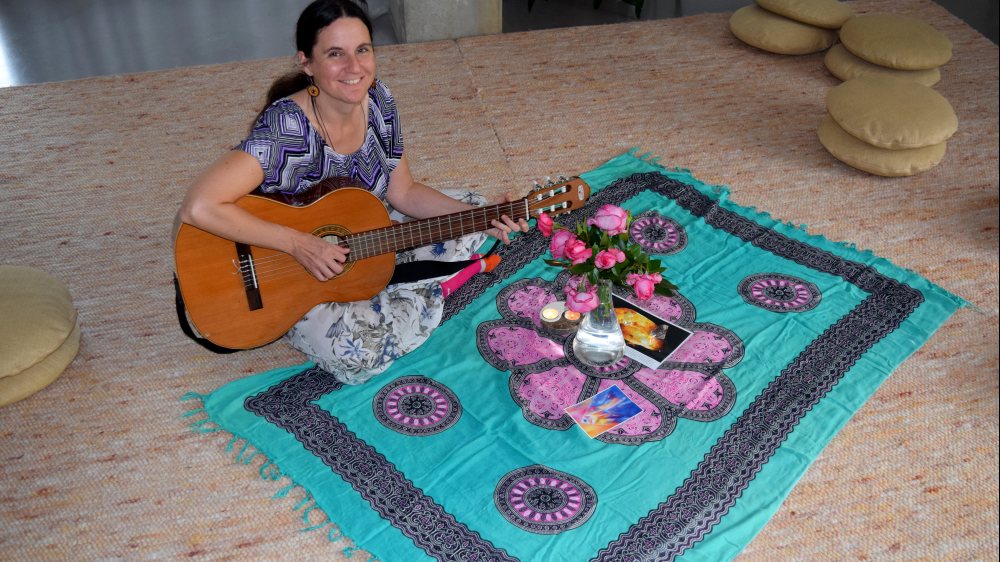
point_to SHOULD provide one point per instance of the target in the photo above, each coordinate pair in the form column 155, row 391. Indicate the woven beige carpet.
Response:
column 101, row 465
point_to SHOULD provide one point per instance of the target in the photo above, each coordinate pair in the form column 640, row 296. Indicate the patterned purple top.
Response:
column 295, row 157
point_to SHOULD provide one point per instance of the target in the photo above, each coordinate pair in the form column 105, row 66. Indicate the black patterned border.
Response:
column 713, row 487
column 289, row 405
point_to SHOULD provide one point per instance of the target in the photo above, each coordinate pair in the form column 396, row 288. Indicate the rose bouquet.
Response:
column 599, row 250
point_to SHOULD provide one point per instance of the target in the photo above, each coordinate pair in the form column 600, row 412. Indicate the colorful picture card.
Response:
column 603, row 411
column 649, row 339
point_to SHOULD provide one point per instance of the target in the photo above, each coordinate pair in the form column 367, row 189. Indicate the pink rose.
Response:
column 558, row 244
column 643, row 283
column 577, row 251
column 581, row 301
column 606, row 259
column 545, row 223
column 610, row 219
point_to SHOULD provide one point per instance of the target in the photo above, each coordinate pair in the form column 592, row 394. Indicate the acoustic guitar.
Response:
column 240, row 296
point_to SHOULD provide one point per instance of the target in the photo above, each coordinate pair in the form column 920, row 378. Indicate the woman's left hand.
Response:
column 502, row 228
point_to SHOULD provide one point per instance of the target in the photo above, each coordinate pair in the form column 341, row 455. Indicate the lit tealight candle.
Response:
column 551, row 314
column 556, row 318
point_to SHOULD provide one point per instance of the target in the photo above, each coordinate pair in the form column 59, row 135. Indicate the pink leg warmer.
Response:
column 481, row 265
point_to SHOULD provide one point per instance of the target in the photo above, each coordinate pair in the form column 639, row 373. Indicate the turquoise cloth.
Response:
column 459, row 451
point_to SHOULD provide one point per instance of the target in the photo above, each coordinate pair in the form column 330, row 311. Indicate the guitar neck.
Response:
column 413, row 234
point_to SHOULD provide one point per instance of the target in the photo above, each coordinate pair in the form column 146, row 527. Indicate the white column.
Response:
column 429, row 20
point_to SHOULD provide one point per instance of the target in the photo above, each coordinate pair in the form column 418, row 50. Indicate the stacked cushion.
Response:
column 892, row 113
column 887, row 125
column 885, row 118
column 789, row 27
column 889, row 45
column 829, row 14
column 879, row 161
column 39, row 335
column 846, row 66
column 898, row 42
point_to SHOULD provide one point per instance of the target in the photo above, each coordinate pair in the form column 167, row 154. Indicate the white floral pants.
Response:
column 358, row 340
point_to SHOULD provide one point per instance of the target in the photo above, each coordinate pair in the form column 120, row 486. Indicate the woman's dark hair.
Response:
column 315, row 17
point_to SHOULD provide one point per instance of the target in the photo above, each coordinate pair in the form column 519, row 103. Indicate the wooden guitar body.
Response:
column 212, row 278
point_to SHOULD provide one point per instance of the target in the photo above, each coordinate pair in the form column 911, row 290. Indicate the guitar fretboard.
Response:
column 422, row 232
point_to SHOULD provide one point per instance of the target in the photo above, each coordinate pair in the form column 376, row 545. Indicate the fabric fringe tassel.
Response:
column 245, row 453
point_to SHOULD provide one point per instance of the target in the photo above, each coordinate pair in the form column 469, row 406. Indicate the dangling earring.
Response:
column 312, row 90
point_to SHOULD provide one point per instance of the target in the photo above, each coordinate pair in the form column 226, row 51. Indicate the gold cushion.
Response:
column 896, row 42
column 844, row 65
column 777, row 34
column 879, row 161
column 830, row 14
column 39, row 336
column 892, row 112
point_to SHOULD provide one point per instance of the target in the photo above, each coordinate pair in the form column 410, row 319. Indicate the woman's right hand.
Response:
column 324, row 260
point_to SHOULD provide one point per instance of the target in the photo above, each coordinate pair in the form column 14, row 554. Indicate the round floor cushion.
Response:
column 830, row 14
column 39, row 335
column 880, row 161
column 844, row 65
column 892, row 112
column 896, row 42
column 777, row 34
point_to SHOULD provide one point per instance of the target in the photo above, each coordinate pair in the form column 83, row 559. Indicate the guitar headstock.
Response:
column 559, row 196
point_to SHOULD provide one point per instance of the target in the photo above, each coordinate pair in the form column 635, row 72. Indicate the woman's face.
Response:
column 342, row 62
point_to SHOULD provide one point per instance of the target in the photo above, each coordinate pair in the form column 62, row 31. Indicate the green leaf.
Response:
column 665, row 288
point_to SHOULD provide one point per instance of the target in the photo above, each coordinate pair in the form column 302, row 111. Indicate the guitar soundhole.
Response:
column 335, row 234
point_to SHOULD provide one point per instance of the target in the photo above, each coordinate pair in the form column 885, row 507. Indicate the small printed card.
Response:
column 605, row 410
column 649, row 339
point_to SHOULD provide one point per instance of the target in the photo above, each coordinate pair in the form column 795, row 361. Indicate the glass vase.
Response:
column 599, row 341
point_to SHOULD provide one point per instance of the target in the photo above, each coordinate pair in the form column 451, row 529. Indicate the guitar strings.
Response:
column 374, row 242
column 279, row 264
column 384, row 240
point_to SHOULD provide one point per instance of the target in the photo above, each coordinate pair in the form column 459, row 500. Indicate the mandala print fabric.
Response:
column 547, row 377
column 462, row 449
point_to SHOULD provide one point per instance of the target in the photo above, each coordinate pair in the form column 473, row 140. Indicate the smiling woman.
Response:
column 329, row 125
column 345, row 67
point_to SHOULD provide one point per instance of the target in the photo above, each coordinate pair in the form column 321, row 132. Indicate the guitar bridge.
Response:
column 244, row 263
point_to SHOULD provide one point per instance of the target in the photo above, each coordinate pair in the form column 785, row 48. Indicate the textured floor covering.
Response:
column 100, row 465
